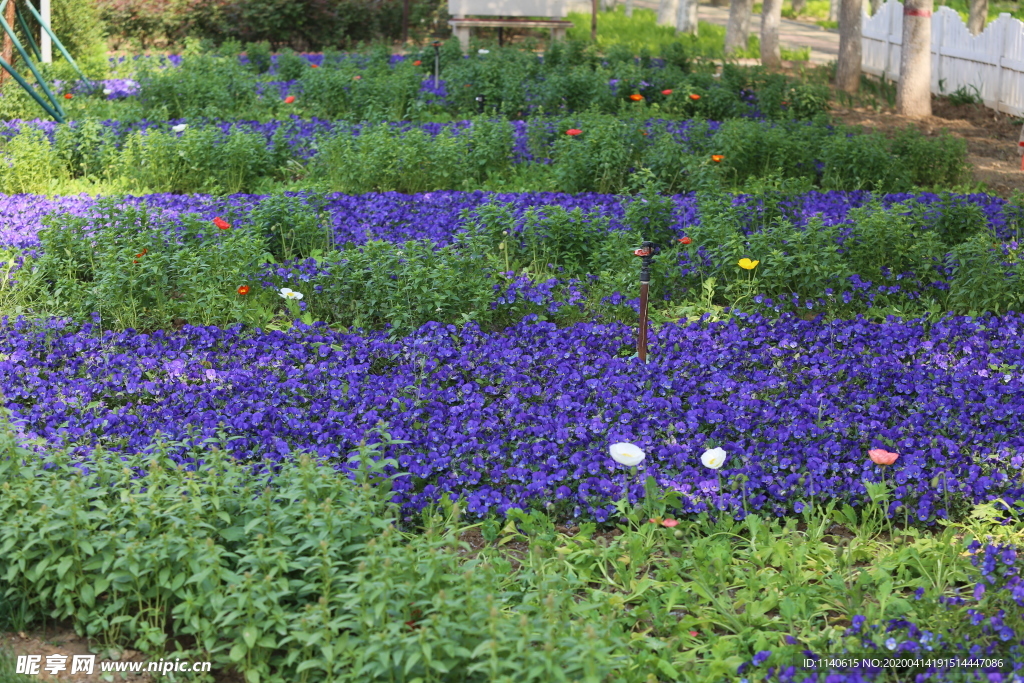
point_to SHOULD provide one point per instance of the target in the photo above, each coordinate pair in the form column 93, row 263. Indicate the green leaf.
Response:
column 249, row 635
column 237, row 653
column 252, row 676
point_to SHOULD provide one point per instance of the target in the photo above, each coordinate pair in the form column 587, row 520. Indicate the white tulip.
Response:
column 713, row 458
column 626, row 454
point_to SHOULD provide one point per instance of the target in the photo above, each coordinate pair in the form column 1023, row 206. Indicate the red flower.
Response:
column 717, row 158
column 666, row 92
column 573, row 132
column 785, row 104
column 685, row 240
column 315, row 66
column 694, row 96
column 636, row 98
column 357, row 78
column 221, row 223
column 694, row 634
column 469, row 85
column 289, row 99
column 140, row 255
column 68, row 96
column 243, row 290
column 644, row 133
column 417, row 63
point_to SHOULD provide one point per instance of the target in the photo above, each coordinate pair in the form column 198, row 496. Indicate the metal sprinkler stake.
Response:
column 437, row 61
column 646, row 253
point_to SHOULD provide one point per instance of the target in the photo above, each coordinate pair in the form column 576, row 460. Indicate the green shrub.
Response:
column 29, row 163
column 932, row 162
column 296, row 227
column 86, row 149
column 597, row 160
column 136, row 269
column 862, row 162
column 208, row 85
column 984, row 278
column 290, row 66
column 259, row 56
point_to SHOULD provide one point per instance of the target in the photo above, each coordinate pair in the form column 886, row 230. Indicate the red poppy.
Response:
column 289, row 99
column 717, row 157
column 68, row 96
column 636, row 98
column 784, row 104
column 417, row 63
column 644, row 133
column 357, row 78
column 573, row 132
column 694, row 96
column 221, row 223
column 315, row 66
column 666, row 92
column 243, row 290
column 469, row 85
column 686, row 240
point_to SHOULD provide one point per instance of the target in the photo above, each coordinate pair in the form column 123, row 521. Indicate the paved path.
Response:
column 824, row 43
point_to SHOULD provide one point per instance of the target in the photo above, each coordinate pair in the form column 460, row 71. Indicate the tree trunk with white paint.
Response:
column 738, row 28
column 686, row 19
column 667, row 11
column 833, row 10
column 629, row 8
column 849, row 66
column 977, row 17
column 913, row 91
column 771, row 16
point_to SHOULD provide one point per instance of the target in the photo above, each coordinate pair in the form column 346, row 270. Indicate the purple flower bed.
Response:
column 525, row 417
column 435, row 215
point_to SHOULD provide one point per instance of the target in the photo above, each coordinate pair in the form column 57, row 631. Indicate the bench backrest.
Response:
column 507, row 8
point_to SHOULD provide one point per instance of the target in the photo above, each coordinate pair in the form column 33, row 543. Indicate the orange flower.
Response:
column 784, row 103
column 644, row 133
column 717, row 158
column 573, row 132
column 636, row 98
column 666, row 92
column 685, row 240
column 289, row 99
column 417, row 63
column 357, row 78
column 694, row 96
column 140, row 255
column 882, row 457
column 221, row 223
column 243, row 290
column 68, row 96
column 315, row 66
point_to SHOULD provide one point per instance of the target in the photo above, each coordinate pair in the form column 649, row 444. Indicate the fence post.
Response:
column 1004, row 25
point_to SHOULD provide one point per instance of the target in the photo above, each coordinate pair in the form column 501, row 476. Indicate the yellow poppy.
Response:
column 747, row 264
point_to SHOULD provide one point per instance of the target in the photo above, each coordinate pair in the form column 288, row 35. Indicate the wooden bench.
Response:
column 467, row 14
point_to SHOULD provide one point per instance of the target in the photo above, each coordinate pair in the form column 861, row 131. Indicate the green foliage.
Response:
column 932, row 161
column 139, row 271
column 599, row 159
column 259, row 56
column 201, row 159
column 29, row 163
column 296, row 227
column 984, row 278
column 206, row 85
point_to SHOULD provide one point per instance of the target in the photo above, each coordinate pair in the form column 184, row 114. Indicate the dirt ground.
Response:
column 991, row 138
column 64, row 641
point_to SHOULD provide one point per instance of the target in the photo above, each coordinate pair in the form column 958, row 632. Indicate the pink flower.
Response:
column 882, row 457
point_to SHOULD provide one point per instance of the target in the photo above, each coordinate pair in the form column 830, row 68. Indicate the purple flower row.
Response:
column 525, row 417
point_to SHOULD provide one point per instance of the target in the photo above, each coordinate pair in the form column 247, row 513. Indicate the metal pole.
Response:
column 45, row 44
column 437, row 61
column 405, row 21
column 646, row 252
column 593, row 20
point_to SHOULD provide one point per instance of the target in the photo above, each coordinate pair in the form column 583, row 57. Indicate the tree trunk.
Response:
column 719, row 3
column 913, row 91
column 667, row 11
column 848, row 69
column 833, row 10
column 875, row 6
column 686, row 18
column 977, row 17
column 798, row 7
column 593, row 20
column 8, row 49
column 629, row 8
column 738, row 28
column 771, row 15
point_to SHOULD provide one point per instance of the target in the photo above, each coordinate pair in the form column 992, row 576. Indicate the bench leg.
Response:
column 557, row 34
column 462, row 33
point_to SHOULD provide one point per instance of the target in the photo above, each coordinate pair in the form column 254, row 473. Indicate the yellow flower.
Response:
column 747, row 264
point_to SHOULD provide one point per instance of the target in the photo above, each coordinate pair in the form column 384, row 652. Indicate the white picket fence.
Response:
column 992, row 61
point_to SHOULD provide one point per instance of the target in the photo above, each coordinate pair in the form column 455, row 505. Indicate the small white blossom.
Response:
column 179, row 128
column 626, row 454
column 289, row 294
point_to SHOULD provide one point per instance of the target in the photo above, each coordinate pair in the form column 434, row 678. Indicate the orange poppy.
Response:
column 694, row 96
column 289, row 99
column 573, row 132
column 666, row 92
column 315, row 66
column 357, row 78
column 243, row 290
column 636, row 98
column 68, row 96
column 717, row 157
column 221, row 223
column 417, row 63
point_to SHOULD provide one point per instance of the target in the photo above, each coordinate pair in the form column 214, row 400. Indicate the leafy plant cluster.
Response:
column 134, row 268
column 313, row 576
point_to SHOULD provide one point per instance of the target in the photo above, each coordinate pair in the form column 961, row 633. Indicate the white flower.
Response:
column 482, row 51
column 107, row 91
column 289, row 294
column 179, row 128
column 626, row 454
column 713, row 458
